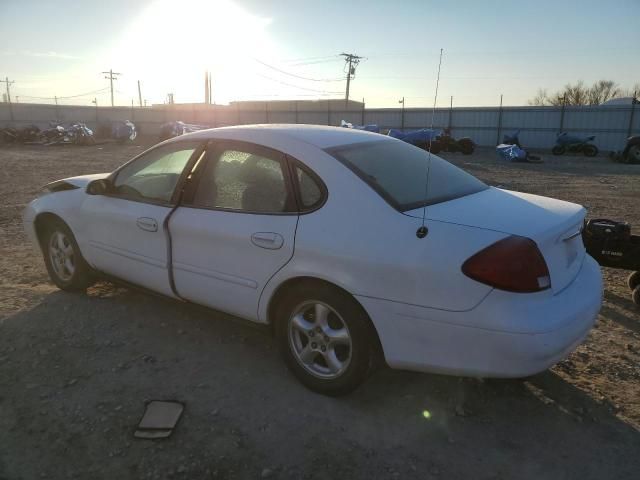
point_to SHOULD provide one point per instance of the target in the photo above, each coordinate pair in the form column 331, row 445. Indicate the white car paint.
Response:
column 429, row 316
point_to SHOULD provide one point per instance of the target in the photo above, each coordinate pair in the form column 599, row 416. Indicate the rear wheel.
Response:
column 633, row 155
column 466, row 146
column 558, row 150
column 590, row 150
column 65, row 264
column 325, row 338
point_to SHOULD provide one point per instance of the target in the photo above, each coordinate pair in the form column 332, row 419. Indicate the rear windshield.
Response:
column 398, row 172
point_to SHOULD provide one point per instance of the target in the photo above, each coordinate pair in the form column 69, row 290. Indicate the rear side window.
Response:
column 398, row 172
column 310, row 191
column 243, row 181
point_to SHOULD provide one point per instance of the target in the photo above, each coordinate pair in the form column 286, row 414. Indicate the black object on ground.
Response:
column 612, row 245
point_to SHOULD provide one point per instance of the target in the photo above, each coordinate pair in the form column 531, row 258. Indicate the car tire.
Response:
column 590, row 150
column 633, row 154
column 325, row 338
column 635, row 296
column 557, row 150
column 466, row 146
column 633, row 280
column 65, row 264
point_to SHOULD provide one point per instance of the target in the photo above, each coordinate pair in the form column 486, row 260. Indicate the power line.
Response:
column 297, row 76
column 297, row 86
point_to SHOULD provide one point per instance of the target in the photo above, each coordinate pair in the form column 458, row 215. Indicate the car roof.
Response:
column 318, row 135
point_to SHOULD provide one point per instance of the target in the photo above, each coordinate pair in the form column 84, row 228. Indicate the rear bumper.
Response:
column 543, row 329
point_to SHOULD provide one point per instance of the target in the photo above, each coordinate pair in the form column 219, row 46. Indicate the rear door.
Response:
column 235, row 227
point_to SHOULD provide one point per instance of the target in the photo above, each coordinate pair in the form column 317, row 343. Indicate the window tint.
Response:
column 244, row 181
column 154, row 176
column 398, row 172
column 310, row 192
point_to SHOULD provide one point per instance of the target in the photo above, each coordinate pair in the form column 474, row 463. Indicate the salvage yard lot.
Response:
column 76, row 371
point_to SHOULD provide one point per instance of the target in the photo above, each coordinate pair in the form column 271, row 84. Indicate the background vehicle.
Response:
column 566, row 143
column 631, row 152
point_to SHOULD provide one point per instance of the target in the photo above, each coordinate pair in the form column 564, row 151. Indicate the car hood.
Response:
column 554, row 225
column 79, row 181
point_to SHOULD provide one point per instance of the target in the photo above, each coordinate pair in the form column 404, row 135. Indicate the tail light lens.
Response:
column 514, row 264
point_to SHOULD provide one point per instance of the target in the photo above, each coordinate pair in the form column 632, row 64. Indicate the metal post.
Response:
column 56, row 100
column 402, row 115
column 296, row 107
column 633, row 108
column 139, row 94
column 564, row 102
column 95, row 100
column 499, row 122
column 362, row 118
column 450, row 113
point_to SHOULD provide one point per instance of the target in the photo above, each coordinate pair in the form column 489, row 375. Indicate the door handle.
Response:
column 268, row 240
column 147, row 224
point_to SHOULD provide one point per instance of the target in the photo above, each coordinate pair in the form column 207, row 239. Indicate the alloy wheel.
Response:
column 61, row 255
column 320, row 339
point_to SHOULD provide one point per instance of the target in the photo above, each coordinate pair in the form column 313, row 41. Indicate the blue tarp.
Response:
column 416, row 136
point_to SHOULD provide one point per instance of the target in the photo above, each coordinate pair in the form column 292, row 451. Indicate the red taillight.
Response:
column 514, row 264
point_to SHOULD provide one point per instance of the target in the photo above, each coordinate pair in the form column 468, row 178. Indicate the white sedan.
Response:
column 335, row 238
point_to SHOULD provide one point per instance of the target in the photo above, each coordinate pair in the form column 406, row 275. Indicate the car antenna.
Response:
column 422, row 231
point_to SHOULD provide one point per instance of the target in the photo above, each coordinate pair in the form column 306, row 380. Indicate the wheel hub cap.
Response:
column 320, row 339
column 61, row 256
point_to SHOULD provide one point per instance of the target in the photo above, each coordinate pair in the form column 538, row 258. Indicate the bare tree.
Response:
column 579, row 94
column 602, row 91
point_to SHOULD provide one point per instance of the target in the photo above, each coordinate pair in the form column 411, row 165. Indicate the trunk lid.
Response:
column 554, row 225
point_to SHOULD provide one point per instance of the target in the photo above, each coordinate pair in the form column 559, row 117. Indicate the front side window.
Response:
column 245, row 181
column 398, row 172
column 154, row 176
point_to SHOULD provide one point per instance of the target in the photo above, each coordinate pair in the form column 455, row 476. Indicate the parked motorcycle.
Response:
column 566, row 143
column 631, row 152
column 447, row 143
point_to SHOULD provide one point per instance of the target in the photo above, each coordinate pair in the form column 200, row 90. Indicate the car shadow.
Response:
column 77, row 369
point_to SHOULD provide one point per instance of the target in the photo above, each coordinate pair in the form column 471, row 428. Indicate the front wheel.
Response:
column 590, row 150
column 633, row 280
column 633, row 155
column 325, row 338
column 65, row 264
column 558, row 150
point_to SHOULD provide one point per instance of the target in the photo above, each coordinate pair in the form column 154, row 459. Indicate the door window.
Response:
column 154, row 176
column 244, row 181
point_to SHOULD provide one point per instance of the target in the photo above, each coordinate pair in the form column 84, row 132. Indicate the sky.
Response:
column 290, row 49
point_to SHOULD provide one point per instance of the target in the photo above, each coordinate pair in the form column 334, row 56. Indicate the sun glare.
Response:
column 171, row 44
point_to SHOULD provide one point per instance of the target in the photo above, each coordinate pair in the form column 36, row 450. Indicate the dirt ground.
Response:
column 76, row 371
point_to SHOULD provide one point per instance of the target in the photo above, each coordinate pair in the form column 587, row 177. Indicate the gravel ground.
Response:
column 76, row 371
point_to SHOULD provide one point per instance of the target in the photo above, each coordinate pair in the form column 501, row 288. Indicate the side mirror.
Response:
column 101, row 186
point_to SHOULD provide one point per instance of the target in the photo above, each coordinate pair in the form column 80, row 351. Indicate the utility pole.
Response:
column 402, row 115
column 139, row 94
column 210, row 91
column 111, row 78
column 351, row 62
column 207, row 100
column 8, row 84
column 95, row 100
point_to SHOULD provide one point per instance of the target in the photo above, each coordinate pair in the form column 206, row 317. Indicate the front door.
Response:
column 126, row 234
column 235, row 227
